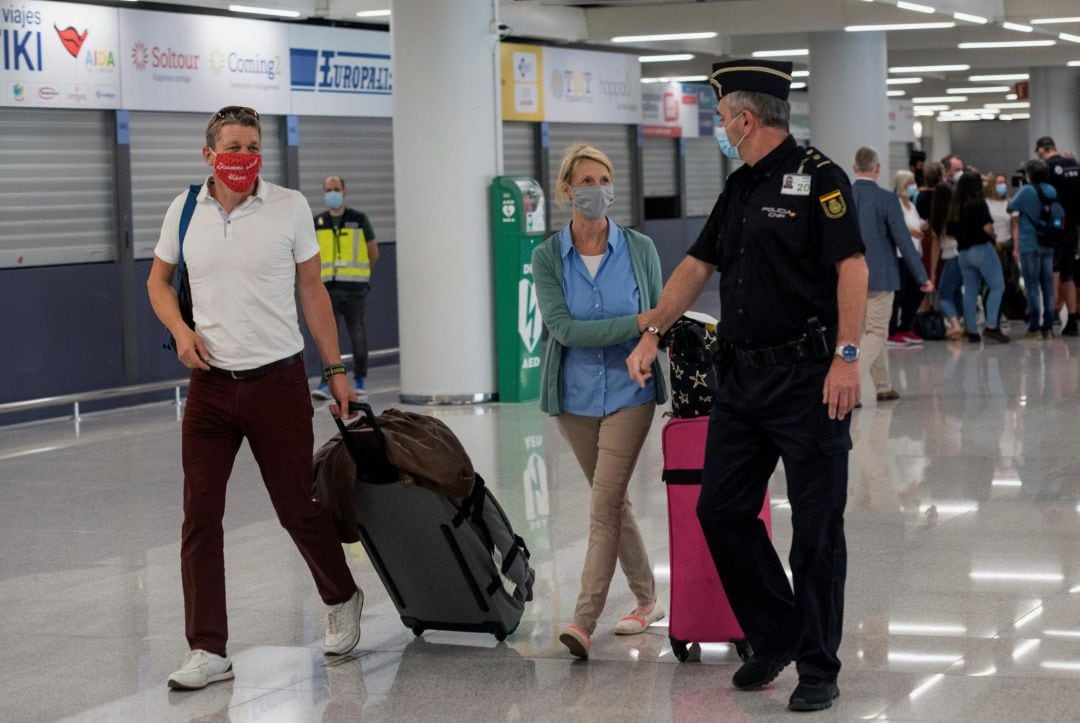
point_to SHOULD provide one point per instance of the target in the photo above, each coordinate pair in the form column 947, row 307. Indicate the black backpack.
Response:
column 1050, row 225
column 691, row 347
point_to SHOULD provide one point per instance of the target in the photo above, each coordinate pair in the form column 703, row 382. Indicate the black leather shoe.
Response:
column 759, row 671
column 812, row 694
column 996, row 334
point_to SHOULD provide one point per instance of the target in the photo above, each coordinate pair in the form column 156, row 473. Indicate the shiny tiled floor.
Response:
column 963, row 598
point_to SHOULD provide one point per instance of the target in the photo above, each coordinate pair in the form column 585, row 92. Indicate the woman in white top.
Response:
column 997, row 198
column 951, row 280
column 906, row 302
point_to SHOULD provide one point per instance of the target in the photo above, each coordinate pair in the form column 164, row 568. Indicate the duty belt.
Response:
column 260, row 371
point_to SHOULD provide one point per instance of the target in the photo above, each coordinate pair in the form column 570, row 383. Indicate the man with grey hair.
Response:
column 792, row 291
column 883, row 231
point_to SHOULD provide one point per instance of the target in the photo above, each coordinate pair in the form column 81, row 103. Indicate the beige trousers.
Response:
column 876, row 331
column 607, row 449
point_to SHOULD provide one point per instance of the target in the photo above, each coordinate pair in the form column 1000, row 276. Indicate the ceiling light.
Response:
column 931, row 107
column 1001, row 76
column 1017, row 27
column 928, row 68
column 899, row 26
column 690, row 78
column 1054, row 21
column 658, row 38
column 1016, row 576
column 902, row 81
column 915, row 7
column 1069, row 37
column 971, row 18
column 264, row 11
column 1018, row 104
column 665, row 58
column 895, row 93
column 373, row 14
column 798, row 86
column 793, row 52
column 980, row 89
column 1011, row 96
column 656, row 80
column 940, row 99
column 1008, row 44
column 800, row 74
column 1073, row 64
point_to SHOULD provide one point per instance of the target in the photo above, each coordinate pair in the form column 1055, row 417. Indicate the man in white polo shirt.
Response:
column 249, row 247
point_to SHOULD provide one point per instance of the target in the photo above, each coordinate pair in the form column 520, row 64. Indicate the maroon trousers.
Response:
column 273, row 412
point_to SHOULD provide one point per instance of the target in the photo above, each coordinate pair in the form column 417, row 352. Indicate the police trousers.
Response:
column 762, row 415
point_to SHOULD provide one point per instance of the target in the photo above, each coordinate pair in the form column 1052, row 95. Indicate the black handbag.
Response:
column 930, row 324
column 691, row 348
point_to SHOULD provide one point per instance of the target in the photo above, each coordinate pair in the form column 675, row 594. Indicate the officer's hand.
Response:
column 339, row 390
column 191, row 350
column 927, row 287
column 640, row 361
column 842, row 388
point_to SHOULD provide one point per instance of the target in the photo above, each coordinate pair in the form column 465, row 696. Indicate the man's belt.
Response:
column 260, row 371
column 805, row 348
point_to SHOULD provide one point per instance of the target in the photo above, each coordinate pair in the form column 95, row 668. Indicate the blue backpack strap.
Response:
column 185, row 217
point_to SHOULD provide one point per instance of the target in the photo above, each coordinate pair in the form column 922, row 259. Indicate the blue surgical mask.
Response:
column 731, row 151
column 334, row 199
column 912, row 191
column 1001, row 189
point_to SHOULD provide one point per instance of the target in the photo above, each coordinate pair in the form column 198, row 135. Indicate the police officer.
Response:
column 349, row 252
column 1065, row 178
column 793, row 284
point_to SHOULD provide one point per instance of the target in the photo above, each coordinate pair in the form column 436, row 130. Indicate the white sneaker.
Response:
column 200, row 669
column 343, row 625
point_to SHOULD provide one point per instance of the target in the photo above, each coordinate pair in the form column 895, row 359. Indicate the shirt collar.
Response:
column 774, row 158
column 615, row 238
column 262, row 190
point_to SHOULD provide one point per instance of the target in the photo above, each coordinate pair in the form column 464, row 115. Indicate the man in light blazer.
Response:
column 881, row 223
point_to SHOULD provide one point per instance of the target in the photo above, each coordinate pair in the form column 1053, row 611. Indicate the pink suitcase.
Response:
column 699, row 610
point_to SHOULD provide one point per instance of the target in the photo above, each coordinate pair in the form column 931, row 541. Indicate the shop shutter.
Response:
column 703, row 170
column 618, row 142
column 659, row 165
column 519, row 149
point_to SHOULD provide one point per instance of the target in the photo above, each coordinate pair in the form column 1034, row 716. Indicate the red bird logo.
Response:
column 71, row 39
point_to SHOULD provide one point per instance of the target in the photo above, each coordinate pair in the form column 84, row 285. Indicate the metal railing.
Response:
column 128, row 391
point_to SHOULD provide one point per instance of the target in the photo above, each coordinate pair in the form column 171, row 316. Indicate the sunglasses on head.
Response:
column 235, row 110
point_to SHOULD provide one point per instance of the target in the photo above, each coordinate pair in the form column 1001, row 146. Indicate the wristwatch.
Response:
column 655, row 331
column 848, row 352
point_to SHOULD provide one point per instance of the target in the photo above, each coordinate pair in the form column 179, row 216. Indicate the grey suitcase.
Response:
column 448, row 564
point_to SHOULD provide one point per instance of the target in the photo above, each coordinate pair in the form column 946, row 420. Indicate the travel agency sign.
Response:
column 198, row 63
column 59, row 55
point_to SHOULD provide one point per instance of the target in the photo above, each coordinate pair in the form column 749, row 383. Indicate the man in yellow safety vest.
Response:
column 349, row 252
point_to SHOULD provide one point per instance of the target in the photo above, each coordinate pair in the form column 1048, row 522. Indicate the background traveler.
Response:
column 907, row 300
column 1064, row 176
column 970, row 223
column 1036, row 260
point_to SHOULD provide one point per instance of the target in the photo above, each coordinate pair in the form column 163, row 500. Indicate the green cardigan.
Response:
column 564, row 331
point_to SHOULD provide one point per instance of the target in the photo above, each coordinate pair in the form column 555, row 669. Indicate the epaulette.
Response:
column 814, row 157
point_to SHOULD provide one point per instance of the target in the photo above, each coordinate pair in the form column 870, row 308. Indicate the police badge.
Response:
column 833, row 204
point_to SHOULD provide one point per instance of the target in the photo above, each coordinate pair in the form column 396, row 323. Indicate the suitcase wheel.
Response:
column 500, row 635
column 679, row 647
column 418, row 630
column 743, row 649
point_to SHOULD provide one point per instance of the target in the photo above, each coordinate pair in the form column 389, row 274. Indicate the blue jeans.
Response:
column 977, row 264
column 949, row 286
column 1037, row 268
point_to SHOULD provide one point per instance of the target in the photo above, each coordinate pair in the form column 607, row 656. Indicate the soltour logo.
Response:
column 159, row 58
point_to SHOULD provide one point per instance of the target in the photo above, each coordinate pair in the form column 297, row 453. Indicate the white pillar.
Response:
column 940, row 140
column 447, row 138
column 848, row 105
column 1055, row 108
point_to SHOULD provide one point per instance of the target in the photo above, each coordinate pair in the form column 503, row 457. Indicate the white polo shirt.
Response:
column 242, row 268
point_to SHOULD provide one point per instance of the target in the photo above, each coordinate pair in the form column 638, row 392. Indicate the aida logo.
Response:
column 71, row 39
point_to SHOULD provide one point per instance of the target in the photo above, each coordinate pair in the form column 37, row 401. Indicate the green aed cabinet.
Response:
column 517, row 217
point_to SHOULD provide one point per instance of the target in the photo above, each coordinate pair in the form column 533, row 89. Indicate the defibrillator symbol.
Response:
column 530, row 325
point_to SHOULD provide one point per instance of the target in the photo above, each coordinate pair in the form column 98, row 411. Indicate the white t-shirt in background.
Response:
column 999, row 212
column 242, row 268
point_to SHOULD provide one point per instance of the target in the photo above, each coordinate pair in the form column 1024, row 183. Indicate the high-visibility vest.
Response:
column 343, row 252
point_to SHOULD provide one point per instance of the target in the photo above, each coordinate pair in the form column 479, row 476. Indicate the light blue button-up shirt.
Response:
column 595, row 380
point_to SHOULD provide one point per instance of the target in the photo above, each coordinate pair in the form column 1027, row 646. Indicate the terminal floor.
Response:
column 963, row 595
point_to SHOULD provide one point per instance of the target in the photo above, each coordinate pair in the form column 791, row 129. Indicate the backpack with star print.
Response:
column 691, row 346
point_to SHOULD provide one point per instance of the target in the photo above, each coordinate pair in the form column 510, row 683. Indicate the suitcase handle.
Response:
column 369, row 414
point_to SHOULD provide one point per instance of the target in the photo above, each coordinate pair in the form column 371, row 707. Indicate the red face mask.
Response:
column 238, row 171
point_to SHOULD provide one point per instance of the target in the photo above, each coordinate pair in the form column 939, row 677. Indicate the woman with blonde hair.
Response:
column 594, row 280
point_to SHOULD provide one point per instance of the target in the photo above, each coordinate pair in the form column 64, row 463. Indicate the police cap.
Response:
column 771, row 77
column 1045, row 142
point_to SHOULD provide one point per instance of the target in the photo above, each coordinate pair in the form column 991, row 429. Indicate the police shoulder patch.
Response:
column 833, row 204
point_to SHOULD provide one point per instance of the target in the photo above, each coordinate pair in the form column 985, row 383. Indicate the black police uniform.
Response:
column 1065, row 178
column 776, row 234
